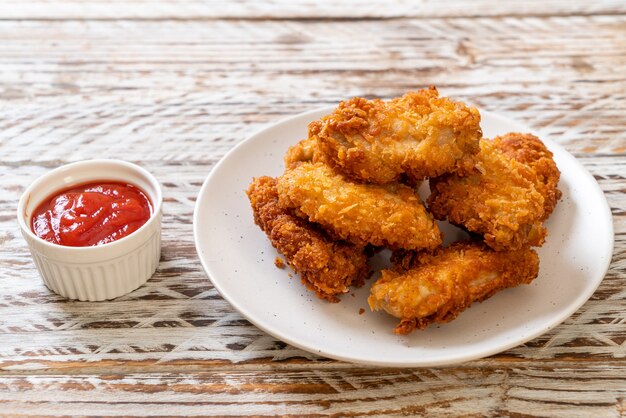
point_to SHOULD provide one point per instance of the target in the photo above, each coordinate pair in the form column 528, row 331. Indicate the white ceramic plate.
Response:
column 239, row 260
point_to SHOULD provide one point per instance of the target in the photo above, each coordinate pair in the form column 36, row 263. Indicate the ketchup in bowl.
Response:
column 91, row 214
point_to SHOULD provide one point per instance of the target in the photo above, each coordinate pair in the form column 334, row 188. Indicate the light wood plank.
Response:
column 527, row 391
column 117, row 86
column 304, row 9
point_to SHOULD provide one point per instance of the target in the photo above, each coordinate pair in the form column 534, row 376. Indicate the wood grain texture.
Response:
column 174, row 85
column 301, row 10
column 460, row 391
column 121, row 85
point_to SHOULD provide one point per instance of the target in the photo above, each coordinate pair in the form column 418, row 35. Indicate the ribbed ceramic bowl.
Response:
column 99, row 272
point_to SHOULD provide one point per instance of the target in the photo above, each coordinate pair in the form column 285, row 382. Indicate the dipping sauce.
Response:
column 91, row 214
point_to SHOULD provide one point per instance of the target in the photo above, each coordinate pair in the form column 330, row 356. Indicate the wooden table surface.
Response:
column 174, row 85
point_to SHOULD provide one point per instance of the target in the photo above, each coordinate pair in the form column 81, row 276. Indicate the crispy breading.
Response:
column 502, row 198
column 327, row 267
column 392, row 215
column 307, row 150
column 437, row 287
column 419, row 134
column 529, row 150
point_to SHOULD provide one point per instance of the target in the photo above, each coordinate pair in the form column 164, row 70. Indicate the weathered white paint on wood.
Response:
column 174, row 86
column 117, row 86
column 528, row 391
column 303, row 9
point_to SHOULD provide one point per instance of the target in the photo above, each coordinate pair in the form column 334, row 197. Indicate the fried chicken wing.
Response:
column 327, row 267
column 437, row 287
column 506, row 196
column 419, row 134
column 529, row 150
column 391, row 215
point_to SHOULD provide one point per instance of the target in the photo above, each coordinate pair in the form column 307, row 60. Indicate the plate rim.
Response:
column 276, row 333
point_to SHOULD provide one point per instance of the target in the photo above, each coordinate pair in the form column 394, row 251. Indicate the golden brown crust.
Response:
column 501, row 198
column 391, row 215
column 436, row 287
column 327, row 267
column 419, row 134
column 307, row 150
column 529, row 150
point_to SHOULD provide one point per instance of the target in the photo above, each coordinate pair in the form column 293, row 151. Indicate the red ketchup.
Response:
column 91, row 214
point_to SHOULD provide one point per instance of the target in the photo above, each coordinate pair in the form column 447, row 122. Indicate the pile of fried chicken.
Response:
column 350, row 189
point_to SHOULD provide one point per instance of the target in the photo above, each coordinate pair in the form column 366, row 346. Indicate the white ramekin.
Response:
column 104, row 271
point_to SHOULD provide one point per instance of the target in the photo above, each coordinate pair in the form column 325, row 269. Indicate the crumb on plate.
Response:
column 278, row 262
